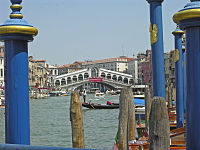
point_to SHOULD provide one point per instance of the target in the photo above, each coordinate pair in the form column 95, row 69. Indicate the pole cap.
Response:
column 149, row 1
column 190, row 11
column 178, row 31
column 16, row 24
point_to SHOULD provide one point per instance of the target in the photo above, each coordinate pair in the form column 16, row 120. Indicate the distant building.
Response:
column 144, row 57
column 147, row 72
column 76, row 66
column 53, row 72
column 38, row 73
column 2, row 50
column 133, row 69
column 168, row 64
column 119, row 64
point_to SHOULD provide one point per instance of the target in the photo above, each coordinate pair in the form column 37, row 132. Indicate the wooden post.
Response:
column 76, row 119
column 159, row 129
column 123, row 120
column 148, row 102
column 151, row 91
column 131, row 115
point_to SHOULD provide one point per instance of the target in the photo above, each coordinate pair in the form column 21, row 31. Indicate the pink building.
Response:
column 147, row 72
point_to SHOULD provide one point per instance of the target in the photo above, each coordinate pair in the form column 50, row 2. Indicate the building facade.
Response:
column 38, row 73
column 76, row 66
column 147, row 72
column 2, row 50
column 133, row 69
column 53, row 72
column 119, row 64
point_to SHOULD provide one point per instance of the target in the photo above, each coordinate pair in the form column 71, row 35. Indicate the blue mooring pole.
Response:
column 15, row 33
column 188, row 20
column 178, row 59
column 156, row 34
column 184, row 83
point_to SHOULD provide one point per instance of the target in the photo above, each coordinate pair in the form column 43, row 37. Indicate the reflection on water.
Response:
column 51, row 126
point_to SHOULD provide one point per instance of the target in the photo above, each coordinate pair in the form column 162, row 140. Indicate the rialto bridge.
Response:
column 93, row 75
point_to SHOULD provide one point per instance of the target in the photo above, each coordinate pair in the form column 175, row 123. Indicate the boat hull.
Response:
column 99, row 106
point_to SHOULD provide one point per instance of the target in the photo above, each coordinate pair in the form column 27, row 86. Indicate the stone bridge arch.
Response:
column 111, row 78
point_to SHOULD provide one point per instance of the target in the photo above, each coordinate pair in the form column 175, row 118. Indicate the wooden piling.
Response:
column 76, row 119
column 148, row 101
column 131, row 115
column 123, row 120
column 159, row 130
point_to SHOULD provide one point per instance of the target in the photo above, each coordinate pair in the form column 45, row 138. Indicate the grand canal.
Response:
column 51, row 126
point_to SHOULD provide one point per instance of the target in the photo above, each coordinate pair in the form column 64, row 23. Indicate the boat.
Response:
column 140, row 112
column 114, row 92
column 139, row 102
column 58, row 93
column 101, row 106
column 139, row 91
column 139, row 95
column 99, row 95
column 66, row 94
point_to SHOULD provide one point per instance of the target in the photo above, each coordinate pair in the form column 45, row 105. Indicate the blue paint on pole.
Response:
column 188, row 20
column 156, row 29
column 179, row 77
column 184, row 83
column 15, row 33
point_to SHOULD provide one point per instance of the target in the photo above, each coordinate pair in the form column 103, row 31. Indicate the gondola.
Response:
column 100, row 106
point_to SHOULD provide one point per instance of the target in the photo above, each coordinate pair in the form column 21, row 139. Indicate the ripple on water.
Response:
column 51, row 126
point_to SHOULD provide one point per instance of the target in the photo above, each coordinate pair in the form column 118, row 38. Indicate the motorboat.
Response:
column 99, row 95
column 139, row 95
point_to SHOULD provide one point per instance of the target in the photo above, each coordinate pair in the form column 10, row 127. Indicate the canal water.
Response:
column 51, row 126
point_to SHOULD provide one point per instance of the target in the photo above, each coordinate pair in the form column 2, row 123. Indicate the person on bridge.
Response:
column 84, row 95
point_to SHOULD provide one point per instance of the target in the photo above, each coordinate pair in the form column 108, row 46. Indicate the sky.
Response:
column 80, row 30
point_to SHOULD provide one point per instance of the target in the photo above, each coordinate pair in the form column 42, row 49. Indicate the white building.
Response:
column 133, row 69
column 2, row 49
column 119, row 64
column 53, row 72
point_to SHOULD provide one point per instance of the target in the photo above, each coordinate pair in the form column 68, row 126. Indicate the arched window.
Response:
column 120, row 79
column 114, row 77
column 63, row 81
column 131, row 81
column 126, row 80
column 69, row 80
column 86, row 75
column 80, row 77
column 108, row 76
column 94, row 72
column 74, row 79
column 103, row 75
column 57, row 83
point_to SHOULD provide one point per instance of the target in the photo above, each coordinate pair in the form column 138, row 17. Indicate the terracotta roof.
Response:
column 108, row 60
column 38, row 60
column 64, row 66
column 70, row 65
